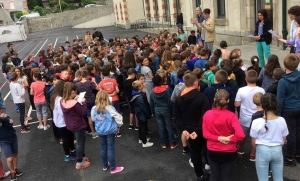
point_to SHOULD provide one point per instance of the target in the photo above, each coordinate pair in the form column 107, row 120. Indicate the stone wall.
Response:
column 67, row 18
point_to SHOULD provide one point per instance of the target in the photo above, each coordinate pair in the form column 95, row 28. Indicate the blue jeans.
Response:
column 164, row 122
column 266, row 155
column 262, row 48
column 80, row 138
column 107, row 143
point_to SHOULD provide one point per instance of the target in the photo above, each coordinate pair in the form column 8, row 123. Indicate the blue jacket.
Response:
column 141, row 106
column 211, row 92
column 156, row 63
column 174, row 78
column 160, row 100
column 200, row 63
column 191, row 64
column 6, row 129
column 288, row 92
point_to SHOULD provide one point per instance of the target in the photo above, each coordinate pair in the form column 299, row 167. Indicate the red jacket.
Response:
column 217, row 122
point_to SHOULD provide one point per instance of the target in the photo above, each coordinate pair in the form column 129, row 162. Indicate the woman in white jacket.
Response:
column 59, row 121
column 18, row 95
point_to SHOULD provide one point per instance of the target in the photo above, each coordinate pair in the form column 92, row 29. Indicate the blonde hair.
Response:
column 68, row 88
column 102, row 100
column 257, row 98
column 166, row 56
column 221, row 98
column 136, row 85
column 174, row 50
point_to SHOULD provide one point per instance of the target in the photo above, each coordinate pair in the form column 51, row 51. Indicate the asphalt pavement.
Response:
column 41, row 157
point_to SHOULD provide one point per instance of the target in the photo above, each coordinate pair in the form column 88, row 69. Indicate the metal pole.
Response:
column 59, row 6
column 284, row 30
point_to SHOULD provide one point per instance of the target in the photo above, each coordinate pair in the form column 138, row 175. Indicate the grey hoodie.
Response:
column 177, row 90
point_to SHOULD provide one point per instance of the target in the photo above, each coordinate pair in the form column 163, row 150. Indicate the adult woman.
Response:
column 22, row 79
column 74, row 113
column 262, row 36
column 266, row 74
column 181, row 34
column 88, row 37
column 269, row 134
column 222, row 130
column 179, row 22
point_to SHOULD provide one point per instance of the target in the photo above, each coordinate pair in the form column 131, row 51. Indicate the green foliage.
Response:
column 18, row 14
column 39, row 9
column 32, row 3
column 72, row 7
column 52, row 3
column 86, row 2
column 63, row 5
column 47, row 11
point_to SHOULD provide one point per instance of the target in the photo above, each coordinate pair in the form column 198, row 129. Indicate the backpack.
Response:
column 105, row 124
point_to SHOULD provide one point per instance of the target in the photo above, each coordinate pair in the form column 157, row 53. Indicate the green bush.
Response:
column 52, row 3
column 72, row 7
column 63, row 5
column 86, row 2
column 39, row 9
column 47, row 11
column 18, row 14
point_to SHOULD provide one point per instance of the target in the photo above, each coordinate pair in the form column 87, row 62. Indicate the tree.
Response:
column 39, row 9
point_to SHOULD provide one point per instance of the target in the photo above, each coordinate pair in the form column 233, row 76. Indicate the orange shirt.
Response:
column 109, row 85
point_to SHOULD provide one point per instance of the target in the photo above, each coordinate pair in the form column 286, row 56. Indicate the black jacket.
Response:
column 240, row 77
column 16, row 61
column 99, row 35
column 273, row 88
column 179, row 19
column 266, row 36
column 188, row 111
column 6, row 129
column 192, row 40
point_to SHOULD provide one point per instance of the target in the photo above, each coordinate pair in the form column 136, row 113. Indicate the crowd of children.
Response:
column 210, row 98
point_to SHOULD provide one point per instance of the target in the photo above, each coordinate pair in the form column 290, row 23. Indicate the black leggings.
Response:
column 21, row 107
column 68, row 139
column 222, row 165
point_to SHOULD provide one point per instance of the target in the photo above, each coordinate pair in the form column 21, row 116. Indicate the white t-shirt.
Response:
column 277, row 129
column 248, row 108
column 145, row 70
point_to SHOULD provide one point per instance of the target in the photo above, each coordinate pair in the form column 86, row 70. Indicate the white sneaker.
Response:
column 40, row 127
column 148, row 144
column 148, row 139
column 94, row 135
column 46, row 127
column 49, row 119
column 207, row 167
column 191, row 163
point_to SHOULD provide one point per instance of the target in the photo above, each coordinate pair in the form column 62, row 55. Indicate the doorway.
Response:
column 264, row 4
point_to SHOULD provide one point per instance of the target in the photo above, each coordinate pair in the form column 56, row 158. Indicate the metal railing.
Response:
column 158, row 22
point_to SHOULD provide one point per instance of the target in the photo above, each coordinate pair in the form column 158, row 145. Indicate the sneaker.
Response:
column 117, row 170
column 82, row 165
column 185, row 150
column 240, row 151
column 61, row 141
column 88, row 133
column 207, row 167
column 118, row 135
column 148, row 139
column 73, row 153
column 108, row 164
column 13, row 177
column 252, row 158
column 164, row 146
column 40, row 127
column 130, row 126
column 27, row 127
column 94, row 135
column 33, row 110
column 46, row 127
column 176, row 135
column 289, row 162
column 136, row 128
column 6, row 174
column 18, row 172
column 298, row 159
column 203, row 177
column 174, row 145
column 270, row 174
column 69, row 158
column 191, row 163
column 24, row 130
column 148, row 144
column 49, row 119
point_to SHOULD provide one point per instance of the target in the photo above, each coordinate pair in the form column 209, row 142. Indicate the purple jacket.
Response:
column 293, row 42
column 74, row 114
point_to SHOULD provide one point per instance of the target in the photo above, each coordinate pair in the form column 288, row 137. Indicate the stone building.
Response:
column 234, row 19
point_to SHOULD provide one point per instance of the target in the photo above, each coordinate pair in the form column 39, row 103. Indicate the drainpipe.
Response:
column 284, row 30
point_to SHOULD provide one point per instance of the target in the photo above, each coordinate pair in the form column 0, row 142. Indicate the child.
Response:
column 177, row 64
column 167, row 69
column 225, row 52
column 87, row 86
column 203, row 83
column 179, row 85
column 230, row 82
column 269, row 135
column 49, row 66
column 9, row 144
column 107, row 121
column 2, row 103
column 128, row 93
column 255, row 64
column 221, row 153
column 37, row 90
column 142, row 79
column 185, row 57
column 9, row 70
column 192, row 40
column 9, row 62
column 142, row 112
column 110, row 86
column 239, row 73
column 42, row 56
column 167, row 58
column 219, row 83
column 68, row 47
column 277, row 75
column 161, row 108
column 258, row 114
column 15, row 59
column 204, row 54
column 2, row 173
column 18, row 95
column 146, row 71
column 288, row 97
column 189, row 109
column 210, row 67
column 74, row 112
column 244, row 100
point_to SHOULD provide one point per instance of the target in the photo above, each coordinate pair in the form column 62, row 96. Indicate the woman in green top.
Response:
column 181, row 34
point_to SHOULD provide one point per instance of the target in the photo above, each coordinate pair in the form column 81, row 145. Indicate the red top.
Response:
column 217, row 122
column 109, row 85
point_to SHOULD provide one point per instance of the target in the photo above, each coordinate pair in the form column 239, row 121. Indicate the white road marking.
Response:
column 40, row 48
column 27, row 123
column 55, row 43
column 106, row 40
column 6, row 96
column 77, row 37
column 67, row 38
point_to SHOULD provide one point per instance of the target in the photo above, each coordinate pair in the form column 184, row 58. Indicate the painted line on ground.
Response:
column 3, row 83
column 105, row 40
column 40, row 48
column 33, row 49
column 27, row 124
column 77, row 37
column 6, row 96
column 55, row 42
column 67, row 38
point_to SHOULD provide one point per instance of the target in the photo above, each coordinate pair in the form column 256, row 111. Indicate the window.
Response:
column 167, row 10
column 198, row 3
column 12, row 5
column 156, row 10
column 1, row 22
column 221, row 8
column 25, row 5
column 178, row 8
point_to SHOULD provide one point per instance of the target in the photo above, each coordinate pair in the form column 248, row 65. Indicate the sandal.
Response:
column 82, row 165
